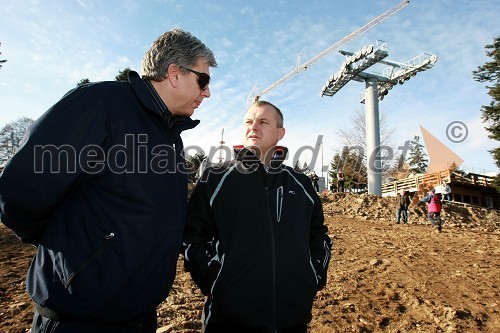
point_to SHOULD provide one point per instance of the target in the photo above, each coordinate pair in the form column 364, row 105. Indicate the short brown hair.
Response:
column 278, row 111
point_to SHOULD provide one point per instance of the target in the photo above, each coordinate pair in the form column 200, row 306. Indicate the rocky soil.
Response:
column 383, row 277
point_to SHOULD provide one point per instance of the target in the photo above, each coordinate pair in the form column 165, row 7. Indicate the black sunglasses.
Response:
column 203, row 78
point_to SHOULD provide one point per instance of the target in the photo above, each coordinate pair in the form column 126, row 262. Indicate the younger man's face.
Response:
column 261, row 128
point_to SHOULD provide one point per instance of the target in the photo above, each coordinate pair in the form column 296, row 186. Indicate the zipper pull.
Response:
column 279, row 203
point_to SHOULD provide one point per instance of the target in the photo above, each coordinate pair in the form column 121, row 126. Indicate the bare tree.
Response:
column 11, row 136
column 354, row 137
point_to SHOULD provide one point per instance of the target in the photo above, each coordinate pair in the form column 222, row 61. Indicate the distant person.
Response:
column 445, row 191
column 340, row 181
column 402, row 204
column 314, row 179
column 255, row 241
column 108, row 229
column 433, row 200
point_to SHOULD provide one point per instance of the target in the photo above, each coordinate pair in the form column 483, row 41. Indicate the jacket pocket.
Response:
column 104, row 244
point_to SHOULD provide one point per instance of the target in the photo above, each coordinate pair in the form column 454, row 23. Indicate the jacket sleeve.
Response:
column 200, row 246
column 48, row 163
column 426, row 198
column 320, row 242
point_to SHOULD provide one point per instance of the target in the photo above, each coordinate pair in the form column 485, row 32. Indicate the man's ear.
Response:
column 173, row 72
column 281, row 133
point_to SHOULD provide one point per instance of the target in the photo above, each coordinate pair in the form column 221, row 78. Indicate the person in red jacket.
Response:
column 434, row 209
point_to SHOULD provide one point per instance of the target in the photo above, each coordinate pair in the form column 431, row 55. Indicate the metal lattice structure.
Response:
column 377, row 86
column 336, row 46
column 353, row 68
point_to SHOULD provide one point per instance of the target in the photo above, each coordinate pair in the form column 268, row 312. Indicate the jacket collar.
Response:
column 148, row 96
column 248, row 157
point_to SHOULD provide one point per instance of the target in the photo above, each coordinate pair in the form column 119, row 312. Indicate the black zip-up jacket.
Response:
column 107, row 215
column 255, row 243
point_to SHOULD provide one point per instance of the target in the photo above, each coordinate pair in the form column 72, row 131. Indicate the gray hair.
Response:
column 174, row 47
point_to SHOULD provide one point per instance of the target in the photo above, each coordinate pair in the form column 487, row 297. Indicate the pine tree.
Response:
column 123, row 75
column 490, row 72
column 305, row 168
column 350, row 162
column 83, row 81
column 418, row 158
column 332, row 170
column 297, row 167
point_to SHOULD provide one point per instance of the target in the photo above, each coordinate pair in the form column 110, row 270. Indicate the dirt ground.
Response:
column 383, row 277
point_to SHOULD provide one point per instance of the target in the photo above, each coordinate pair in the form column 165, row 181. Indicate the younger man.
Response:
column 255, row 241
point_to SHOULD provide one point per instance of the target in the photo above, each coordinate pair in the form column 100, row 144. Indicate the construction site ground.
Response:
column 383, row 277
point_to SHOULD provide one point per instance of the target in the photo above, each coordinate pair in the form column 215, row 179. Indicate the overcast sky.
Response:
column 51, row 45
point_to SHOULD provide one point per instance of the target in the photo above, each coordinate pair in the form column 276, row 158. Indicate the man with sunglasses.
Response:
column 100, row 188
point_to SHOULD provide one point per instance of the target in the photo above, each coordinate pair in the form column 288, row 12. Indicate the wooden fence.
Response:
column 418, row 183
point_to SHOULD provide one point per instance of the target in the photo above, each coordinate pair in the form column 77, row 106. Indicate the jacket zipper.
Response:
column 279, row 203
column 105, row 243
column 179, row 214
column 273, row 251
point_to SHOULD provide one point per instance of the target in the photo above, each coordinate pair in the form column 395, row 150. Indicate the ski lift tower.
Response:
column 377, row 86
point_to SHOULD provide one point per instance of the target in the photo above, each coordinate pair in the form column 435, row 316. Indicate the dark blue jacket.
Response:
column 95, row 186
